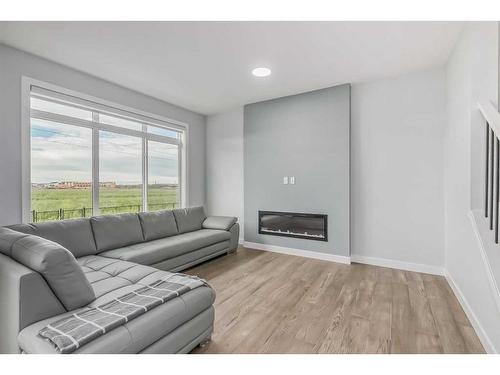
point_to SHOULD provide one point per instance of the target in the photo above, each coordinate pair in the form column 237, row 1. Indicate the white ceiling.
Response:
column 205, row 66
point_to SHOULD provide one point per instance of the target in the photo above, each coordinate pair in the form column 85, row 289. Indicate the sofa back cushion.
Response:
column 7, row 239
column 158, row 224
column 189, row 219
column 114, row 231
column 73, row 234
column 58, row 267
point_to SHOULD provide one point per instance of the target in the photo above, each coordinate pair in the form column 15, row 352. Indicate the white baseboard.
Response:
column 298, row 252
column 397, row 264
column 483, row 337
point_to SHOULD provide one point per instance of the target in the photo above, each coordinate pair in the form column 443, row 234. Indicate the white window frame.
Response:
column 142, row 116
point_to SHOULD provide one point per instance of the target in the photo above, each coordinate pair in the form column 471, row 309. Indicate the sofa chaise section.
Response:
column 176, row 326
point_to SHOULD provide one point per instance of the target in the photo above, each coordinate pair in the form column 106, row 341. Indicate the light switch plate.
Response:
column 285, row 180
column 292, row 180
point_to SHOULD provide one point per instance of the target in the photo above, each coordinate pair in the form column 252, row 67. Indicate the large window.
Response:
column 88, row 159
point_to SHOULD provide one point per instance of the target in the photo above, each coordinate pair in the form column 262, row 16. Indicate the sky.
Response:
column 64, row 153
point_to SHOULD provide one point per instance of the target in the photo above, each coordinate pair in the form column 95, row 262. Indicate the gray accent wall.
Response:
column 14, row 64
column 305, row 136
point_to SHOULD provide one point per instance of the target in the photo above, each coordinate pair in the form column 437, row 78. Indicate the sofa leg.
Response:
column 205, row 342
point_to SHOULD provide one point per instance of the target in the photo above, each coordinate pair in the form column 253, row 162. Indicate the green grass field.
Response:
column 111, row 200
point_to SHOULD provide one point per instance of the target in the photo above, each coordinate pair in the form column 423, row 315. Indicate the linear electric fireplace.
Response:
column 294, row 224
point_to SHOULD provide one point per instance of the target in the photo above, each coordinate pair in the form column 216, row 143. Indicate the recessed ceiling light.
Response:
column 261, row 72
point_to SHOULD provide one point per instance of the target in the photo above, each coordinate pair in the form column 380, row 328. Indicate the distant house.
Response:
column 108, row 184
column 73, row 185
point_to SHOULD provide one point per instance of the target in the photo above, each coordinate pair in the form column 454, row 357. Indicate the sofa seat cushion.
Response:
column 152, row 252
column 135, row 335
column 187, row 260
column 106, row 275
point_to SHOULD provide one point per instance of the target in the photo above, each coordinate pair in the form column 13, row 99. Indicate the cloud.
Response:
column 64, row 153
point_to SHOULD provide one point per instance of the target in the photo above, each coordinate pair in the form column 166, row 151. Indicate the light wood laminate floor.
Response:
column 275, row 303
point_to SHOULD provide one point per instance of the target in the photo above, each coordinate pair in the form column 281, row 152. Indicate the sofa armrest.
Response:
column 25, row 298
column 235, row 236
column 219, row 222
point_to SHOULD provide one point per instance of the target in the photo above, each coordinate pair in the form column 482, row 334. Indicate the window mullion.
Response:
column 182, row 174
column 180, row 196
column 162, row 139
column 145, row 171
column 95, row 165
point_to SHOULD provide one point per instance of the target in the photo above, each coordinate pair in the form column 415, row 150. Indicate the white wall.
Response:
column 397, row 193
column 224, row 165
column 472, row 75
column 14, row 64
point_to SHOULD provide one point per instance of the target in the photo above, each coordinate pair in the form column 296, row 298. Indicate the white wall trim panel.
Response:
column 397, row 264
column 298, row 252
column 481, row 236
column 481, row 333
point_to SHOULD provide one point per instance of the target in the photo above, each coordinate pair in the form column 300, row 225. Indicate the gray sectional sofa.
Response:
column 51, row 270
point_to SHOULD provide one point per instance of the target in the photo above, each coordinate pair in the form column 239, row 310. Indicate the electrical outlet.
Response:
column 292, row 180
column 285, row 180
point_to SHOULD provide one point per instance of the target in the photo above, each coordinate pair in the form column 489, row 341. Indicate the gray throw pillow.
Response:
column 219, row 222
column 58, row 267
